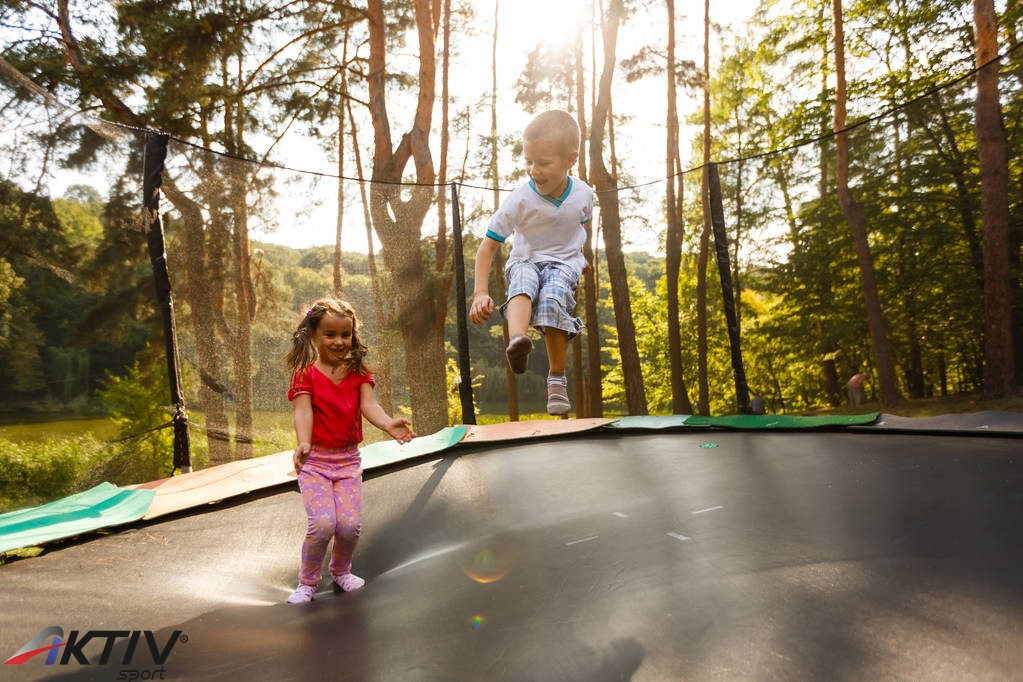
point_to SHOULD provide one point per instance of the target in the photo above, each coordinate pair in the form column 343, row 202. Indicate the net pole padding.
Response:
column 717, row 219
column 154, row 154
column 464, row 371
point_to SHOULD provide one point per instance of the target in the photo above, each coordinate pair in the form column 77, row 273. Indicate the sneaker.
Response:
column 303, row 594
column 349, row 582
column 557, row 396
column 518, row 353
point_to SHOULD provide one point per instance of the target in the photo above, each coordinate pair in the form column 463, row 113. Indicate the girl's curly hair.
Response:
column 303, row 353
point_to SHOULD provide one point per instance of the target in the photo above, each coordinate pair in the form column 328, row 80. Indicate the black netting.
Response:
column 250, row 245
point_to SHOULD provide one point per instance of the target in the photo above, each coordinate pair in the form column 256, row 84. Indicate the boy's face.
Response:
column 548, row 165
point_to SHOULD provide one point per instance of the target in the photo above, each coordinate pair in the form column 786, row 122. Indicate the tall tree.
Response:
column 510, row 379
column 606, row 185
column 888, row 391
column 420, row 295
column 589, row 391
column 999, row 370
column 673, row 241
column 703, row 394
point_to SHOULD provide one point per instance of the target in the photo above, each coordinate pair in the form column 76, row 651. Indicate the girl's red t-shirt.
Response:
column 337, row 419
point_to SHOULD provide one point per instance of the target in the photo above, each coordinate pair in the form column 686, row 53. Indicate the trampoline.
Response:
column 884, row 552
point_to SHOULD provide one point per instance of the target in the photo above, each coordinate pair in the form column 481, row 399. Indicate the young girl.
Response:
column 331, row 390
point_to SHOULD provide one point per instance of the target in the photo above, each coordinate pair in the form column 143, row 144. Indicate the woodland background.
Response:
column 868, row 159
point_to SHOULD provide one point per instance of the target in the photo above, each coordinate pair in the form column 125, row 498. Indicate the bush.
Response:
column 34, row 473
column 136, row 402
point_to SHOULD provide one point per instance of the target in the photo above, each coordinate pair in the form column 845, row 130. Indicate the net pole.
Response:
column 154, row 153
column 464, row 372
column 717, row 219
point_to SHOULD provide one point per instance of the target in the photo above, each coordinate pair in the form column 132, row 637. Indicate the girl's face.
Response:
column 548, row 166
column 333, row 338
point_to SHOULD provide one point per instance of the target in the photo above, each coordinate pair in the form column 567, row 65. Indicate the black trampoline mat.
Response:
column 666, row 556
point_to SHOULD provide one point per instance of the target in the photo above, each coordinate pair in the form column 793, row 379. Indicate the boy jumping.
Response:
column 547, row 217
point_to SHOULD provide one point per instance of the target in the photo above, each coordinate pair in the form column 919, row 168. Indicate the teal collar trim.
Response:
column 560, row 200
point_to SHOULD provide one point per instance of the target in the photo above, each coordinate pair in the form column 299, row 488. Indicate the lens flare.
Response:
column 490, row 561
column 478, row 622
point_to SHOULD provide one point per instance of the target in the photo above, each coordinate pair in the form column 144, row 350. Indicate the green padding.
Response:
column 781, row 421
column 104, row 505
column 389, row 452
column 666, row 421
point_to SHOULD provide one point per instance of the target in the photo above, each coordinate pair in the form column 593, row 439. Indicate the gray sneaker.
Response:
column 518, row 353
column 557, row 396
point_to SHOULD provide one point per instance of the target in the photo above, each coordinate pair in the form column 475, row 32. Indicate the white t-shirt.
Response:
column 543, row 228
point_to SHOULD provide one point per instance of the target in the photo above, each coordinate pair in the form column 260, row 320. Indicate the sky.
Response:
column 308, row 216
column 307, row 223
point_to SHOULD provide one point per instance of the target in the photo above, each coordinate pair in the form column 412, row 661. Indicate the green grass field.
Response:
column 53, row 430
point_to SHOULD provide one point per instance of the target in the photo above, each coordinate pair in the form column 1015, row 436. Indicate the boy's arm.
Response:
column 399, row 428
column 482, row 304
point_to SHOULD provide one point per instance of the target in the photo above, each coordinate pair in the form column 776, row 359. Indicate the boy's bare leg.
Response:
column 557, row 349
column 557, row 383
column 518, row 312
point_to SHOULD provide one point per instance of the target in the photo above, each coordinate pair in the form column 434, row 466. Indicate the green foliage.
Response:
column 34, row 473
column 454, row 380
column 9, row 282
column 76, row 287
column 138, row 404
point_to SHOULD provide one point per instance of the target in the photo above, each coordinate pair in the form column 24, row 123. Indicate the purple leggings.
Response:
column 331, row 485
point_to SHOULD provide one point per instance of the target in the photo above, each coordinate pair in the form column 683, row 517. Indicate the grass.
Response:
column 104, row 429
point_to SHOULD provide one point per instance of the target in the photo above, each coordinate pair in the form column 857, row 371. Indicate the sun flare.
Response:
column 551, row 23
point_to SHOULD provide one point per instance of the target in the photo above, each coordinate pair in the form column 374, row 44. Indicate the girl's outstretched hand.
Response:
column 300, row 456
column 400, row 429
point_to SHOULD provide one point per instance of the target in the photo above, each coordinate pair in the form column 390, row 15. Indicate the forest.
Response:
column 866, row 151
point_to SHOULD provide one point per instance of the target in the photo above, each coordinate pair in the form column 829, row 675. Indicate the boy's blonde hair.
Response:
column 557, row 126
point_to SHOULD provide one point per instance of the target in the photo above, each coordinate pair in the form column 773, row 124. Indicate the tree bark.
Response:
column 999, row 369
column 420, row 296
column 510, row 379
column 703, row 397
column 605, row 184
column 673, row 242
column 382, row 365
column 853, row 211
column 590, row 402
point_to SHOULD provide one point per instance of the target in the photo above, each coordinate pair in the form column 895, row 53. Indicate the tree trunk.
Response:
column 420, row 297
column 510, row 379
column 999, row 370
column 673, row 242
column 382, row 364
column 703, row 399
column 341, row 169
column 888, row 392
column 590, row 382
column 241, row 342
column 605, row 185
column 240, row 338
column 208, row 352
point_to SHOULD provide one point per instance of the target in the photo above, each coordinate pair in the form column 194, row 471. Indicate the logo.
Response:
column 142, row 646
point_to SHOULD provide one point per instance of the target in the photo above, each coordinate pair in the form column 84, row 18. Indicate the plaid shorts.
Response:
column 551, row 288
